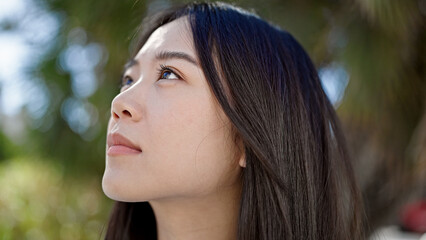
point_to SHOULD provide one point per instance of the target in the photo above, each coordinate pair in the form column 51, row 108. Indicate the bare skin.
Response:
column 182, row 158
column 209, row 217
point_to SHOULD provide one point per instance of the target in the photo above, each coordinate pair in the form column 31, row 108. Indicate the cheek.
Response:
column 191, row 146
column 179, row 121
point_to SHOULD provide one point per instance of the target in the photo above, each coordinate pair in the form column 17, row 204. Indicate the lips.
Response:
column 119, row 145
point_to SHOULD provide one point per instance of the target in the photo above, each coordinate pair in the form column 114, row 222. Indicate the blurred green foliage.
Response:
column 38, row 202
column 50, row 177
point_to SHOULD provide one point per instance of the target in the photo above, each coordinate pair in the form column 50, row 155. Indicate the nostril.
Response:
column 127, row 113
column 115, row 115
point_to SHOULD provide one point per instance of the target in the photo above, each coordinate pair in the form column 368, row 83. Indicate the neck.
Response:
column 213, row 216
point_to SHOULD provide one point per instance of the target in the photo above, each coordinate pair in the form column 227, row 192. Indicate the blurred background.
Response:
column 60, row 64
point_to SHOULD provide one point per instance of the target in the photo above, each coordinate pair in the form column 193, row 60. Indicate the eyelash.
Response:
column 160, row 72
column 163, row 69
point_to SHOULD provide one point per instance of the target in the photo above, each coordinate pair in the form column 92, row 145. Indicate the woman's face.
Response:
column 167, row 137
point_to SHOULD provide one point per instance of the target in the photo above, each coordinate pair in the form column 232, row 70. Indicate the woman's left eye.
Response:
column 167, row 73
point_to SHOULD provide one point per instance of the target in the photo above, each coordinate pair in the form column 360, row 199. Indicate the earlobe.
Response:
column 242, row 153
column 242, row 161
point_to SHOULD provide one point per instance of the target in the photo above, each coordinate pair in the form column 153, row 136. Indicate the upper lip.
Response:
column 118, row 139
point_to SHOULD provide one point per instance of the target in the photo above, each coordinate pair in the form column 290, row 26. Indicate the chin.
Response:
column 112, row 189
column 109, row 188
column 117, row 190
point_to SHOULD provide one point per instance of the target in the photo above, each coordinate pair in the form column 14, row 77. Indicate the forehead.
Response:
column 173, row 36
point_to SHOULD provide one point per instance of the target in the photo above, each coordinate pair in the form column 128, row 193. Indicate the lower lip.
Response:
column 117, row 150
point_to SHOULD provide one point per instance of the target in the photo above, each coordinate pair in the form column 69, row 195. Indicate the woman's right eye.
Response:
column 126, row 81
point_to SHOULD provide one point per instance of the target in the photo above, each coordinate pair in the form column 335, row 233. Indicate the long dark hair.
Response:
column 298, row 182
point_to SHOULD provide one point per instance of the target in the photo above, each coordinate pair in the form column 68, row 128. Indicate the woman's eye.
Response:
column 167, row 73
column 127, row 81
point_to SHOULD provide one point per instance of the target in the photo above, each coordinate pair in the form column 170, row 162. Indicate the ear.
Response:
column 242, row 161
column 240, row 153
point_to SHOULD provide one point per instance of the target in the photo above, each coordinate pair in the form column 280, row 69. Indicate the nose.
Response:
column 124, row 106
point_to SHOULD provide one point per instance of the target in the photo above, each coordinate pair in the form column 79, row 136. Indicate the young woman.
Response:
column 222, row 130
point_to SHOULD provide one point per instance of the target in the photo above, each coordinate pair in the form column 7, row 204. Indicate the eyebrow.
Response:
column 164, row 55
column 130, row 64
